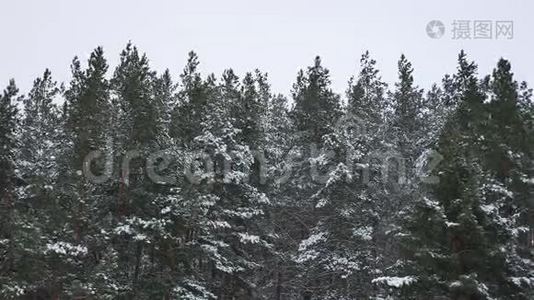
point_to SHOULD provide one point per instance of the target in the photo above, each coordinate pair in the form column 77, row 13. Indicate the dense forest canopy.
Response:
column 127, row 183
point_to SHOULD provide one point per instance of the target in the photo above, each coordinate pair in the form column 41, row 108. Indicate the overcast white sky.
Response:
column 278, row 37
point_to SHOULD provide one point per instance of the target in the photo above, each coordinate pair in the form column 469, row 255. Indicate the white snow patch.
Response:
column 127, row 229
column 500, row 189
column 395, row 281
column 519, row 281
column 488, row 208
column 321, row 203
column 246, row 238
column 365, row 233
column 452, row 224
column 311, row 240
column 219, row 224
column 66, row 249
column 14, row 290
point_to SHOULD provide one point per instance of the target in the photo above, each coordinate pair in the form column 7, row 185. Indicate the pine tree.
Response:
column 405, row 138
column 38, row 159
column 507, row 161
column 9, row 122
column 366, row 99
column 192, row 99
column 86, row 136
column 138, row 137
column 221, row 209
column 13, row 271
column 39, row 131
column 278, row 140
column 407, row 111
column 185, row 206
column 316, row 105
column 342, row 249
column 165, row 99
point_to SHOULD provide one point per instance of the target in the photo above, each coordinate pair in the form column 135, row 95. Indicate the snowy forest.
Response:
column 127, row 183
